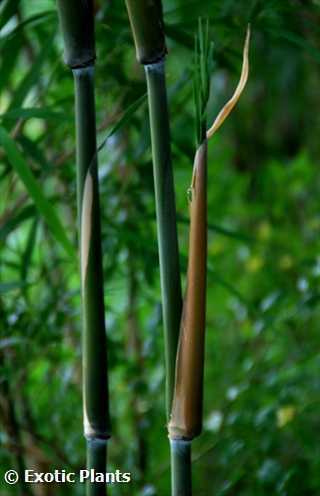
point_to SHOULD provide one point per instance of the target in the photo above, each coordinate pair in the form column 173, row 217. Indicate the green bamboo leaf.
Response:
column 231, row 289
column 33, row 20
column 11, row 286
column 229, row 233
column 35, row 191
column 28, row 251
column 8, row 64
column 298, row 41
column 34, row 152
column 124, row 119
column 195, row 10
column 32, row 76
column 12, row 224
column 36, row 113
column 8, row 342
column 8, row 10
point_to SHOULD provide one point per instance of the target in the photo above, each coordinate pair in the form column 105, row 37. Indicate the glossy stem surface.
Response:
column 95, row 366
column 96, row 460
column 181, row 474
column 166, row 219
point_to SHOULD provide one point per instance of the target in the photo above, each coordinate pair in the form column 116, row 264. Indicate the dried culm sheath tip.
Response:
column 229, row 106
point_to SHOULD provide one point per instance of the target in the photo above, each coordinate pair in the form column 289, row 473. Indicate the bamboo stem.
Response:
column 181, row 481
column 96, row 460
column 95, row 385
column 147, row 27
column 77, row 25
column 166, row 219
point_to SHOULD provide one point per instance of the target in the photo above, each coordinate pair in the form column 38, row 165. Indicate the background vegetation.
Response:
column 262, row 389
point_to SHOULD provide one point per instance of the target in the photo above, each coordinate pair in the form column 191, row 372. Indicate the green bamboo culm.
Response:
column 147, row 27
column 181, row 467
column 77, row 24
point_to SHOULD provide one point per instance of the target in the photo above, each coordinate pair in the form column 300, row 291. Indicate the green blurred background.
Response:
column 262, row 379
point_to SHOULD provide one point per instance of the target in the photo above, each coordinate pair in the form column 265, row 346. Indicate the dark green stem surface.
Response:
column 181, row 476
column 95, row 367
column 96, row 460
column 166, row 219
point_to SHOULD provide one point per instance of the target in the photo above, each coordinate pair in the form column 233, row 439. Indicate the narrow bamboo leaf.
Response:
column 38, row 113
column 218, row 279
column 30, row 21
column 21, row 92
column 8, row 64
column 229, row 233
column 297, row 41
column 180, row 36
column 9, row 9
column 11, row 286
column 7, row 342
column 35, row 191
column 12, row 224
column 34, row 152
column 124, row 119
column 27, row 254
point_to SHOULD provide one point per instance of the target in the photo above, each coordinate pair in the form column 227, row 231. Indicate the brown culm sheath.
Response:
column 186, row 415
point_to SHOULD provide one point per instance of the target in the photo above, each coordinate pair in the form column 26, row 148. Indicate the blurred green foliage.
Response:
column 262, row 389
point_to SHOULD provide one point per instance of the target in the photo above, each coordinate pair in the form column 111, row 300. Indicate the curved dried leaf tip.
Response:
column 229, row 106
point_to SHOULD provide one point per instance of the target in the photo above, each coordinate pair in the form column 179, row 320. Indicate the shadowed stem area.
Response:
column 181, row 480
column 166, row 219
column 96, row 460
column 95, row 385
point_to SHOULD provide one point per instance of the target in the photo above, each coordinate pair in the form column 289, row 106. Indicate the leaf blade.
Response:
column 45, row 208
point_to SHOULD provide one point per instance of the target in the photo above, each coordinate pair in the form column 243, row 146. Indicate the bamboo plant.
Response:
column 184, row 326
column 186, row 415
column 77, row 25
column 147, row 28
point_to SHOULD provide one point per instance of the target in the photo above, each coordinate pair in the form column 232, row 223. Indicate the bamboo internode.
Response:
column 147, row 27
column 77, row 23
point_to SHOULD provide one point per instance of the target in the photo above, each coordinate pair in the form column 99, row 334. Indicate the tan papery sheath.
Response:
column 186, row 415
